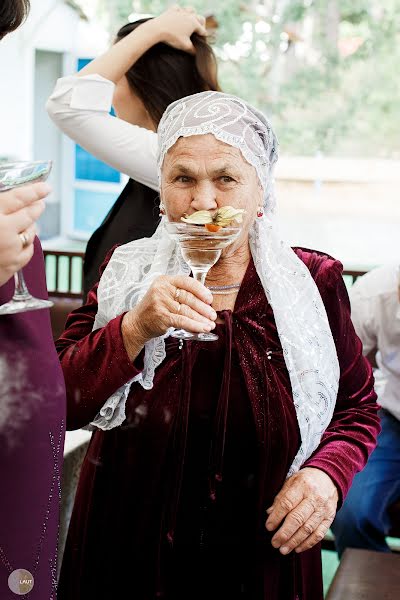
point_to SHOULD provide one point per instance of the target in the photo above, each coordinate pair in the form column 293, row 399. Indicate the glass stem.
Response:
column 21, row 291
column 200, row 275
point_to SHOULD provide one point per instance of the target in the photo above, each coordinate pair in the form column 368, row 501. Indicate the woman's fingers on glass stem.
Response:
column 190, row 300
column 191, row 285
column 183, row 310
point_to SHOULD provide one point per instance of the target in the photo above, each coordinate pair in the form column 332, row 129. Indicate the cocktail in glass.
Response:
column 201, row 249
column 14, row 175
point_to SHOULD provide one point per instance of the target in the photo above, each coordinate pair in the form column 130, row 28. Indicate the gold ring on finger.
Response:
column 24, row 239
column 177, row 294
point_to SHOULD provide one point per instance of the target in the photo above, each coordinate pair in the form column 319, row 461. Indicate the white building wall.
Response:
column 15, row 98
column 53, row 26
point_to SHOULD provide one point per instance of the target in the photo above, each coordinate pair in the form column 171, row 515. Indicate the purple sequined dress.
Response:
column 32, row 425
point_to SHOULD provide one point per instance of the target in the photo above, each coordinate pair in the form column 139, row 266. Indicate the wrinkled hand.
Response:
column 307, row 506
column 19, row 210
column 177, row 24
column 171, row 301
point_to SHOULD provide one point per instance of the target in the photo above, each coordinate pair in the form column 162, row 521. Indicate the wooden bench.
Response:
column 366, row 575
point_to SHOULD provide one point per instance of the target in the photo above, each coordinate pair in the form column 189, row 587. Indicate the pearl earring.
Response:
column 260, row 212
column 162, row 209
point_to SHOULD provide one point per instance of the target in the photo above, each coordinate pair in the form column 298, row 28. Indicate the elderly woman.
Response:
column 216, row 468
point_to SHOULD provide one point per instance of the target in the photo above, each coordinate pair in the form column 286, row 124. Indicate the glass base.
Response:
column 181, row 334
column 25, row 305
column 206, row 337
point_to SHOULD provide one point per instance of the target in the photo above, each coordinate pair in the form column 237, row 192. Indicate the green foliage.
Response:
column 337, row 92
column 295, row 12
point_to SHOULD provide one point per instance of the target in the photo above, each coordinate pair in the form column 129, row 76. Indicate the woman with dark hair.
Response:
column 153, row 63
column 12, row 14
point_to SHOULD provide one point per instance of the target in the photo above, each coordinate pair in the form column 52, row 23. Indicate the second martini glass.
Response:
column 201, row 249
column 13, row 175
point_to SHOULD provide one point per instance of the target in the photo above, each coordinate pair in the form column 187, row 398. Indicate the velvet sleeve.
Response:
column 351, row 435
column 95, row 363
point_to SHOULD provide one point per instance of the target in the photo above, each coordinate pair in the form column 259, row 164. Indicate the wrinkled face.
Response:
column 203, row 173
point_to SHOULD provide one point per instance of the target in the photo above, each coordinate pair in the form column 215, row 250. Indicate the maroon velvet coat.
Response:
column 172, row 503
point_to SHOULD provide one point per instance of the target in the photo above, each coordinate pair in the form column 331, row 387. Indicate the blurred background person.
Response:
column 32, row 395
column 153, row 63
column 363, row 521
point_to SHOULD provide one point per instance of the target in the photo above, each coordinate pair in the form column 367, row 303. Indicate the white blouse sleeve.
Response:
column 80, row 107
column 364, row 313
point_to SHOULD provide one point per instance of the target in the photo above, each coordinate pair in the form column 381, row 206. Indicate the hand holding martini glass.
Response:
column 201, row 237
column 14, row 175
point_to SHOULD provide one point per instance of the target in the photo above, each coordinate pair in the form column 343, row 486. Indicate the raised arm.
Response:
column 173, row 27
column 97, row 363
column 80, row 107
column 94, row 363
column 80, row 104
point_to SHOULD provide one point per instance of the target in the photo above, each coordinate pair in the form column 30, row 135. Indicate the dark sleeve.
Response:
column 95, row 363
column 351, row 435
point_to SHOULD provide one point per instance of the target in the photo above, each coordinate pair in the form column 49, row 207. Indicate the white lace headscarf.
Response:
column 299, row 312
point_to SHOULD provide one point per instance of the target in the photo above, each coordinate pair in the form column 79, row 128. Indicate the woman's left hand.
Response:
column 176, row 25
column 304, row 508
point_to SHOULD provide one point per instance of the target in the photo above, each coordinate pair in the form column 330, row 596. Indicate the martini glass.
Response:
column 201, row 249
column 14, row 175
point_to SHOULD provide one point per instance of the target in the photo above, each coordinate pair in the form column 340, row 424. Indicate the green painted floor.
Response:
column 330, row 563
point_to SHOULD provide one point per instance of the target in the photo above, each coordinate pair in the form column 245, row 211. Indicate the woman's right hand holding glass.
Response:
column 171, row 302
column 19, row 210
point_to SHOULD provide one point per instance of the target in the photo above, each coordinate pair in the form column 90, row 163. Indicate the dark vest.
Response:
column 134, row 215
